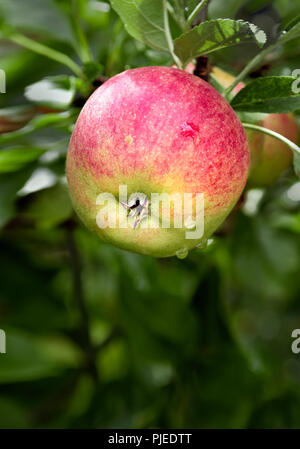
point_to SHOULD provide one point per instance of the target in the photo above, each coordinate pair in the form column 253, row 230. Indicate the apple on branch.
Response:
column 269, row 157
column 156, row 130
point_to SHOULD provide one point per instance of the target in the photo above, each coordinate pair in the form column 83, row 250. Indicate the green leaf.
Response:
column 44, row 18
column 42, row 121
column 214, row 35
column 143, row 20
column 41, row 49
column 9, row 186
column 227, row 8
column 177, row 11
column 296, row 163
column 92, row 70
column 29, row 357
column 251, row 117
column 14, row 117
column 292, row 33
column 56, row 92
column 48, row 207
column 195, row 10
column 190, row 5
column 292, row 23
column 270, row 94
column 14, row 414
column 14, row 159
column 113, row 361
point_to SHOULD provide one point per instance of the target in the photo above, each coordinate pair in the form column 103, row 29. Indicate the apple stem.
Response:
column 278, row 136
column 169, row 36
column 202, row 68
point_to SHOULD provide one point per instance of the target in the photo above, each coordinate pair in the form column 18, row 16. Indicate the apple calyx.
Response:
column 138, row 208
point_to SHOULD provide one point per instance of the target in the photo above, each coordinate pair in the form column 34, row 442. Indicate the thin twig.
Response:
column 115, row 333
column 194, row 13
column 271, row 133
column 249, row 67
column 80, row 301
column 169, row 36
column 83, row 46
column 202, row 67
column 43, row 50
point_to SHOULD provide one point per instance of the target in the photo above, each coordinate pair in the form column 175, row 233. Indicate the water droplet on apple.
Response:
column 182, row 253
column 202, row 244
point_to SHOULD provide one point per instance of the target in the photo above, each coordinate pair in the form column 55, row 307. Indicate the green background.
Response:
column 102, row 338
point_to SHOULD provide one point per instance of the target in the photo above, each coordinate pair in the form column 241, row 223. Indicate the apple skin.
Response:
column 269, row 157
column 157, row 129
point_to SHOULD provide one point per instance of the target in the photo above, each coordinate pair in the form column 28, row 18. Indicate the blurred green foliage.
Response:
column 98, row 337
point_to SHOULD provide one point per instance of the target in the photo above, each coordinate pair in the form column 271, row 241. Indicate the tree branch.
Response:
column 43, row 50
column 80, row 302
column 169, row 36
column 202, row 68
column 271, row 133
column 196, row 11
